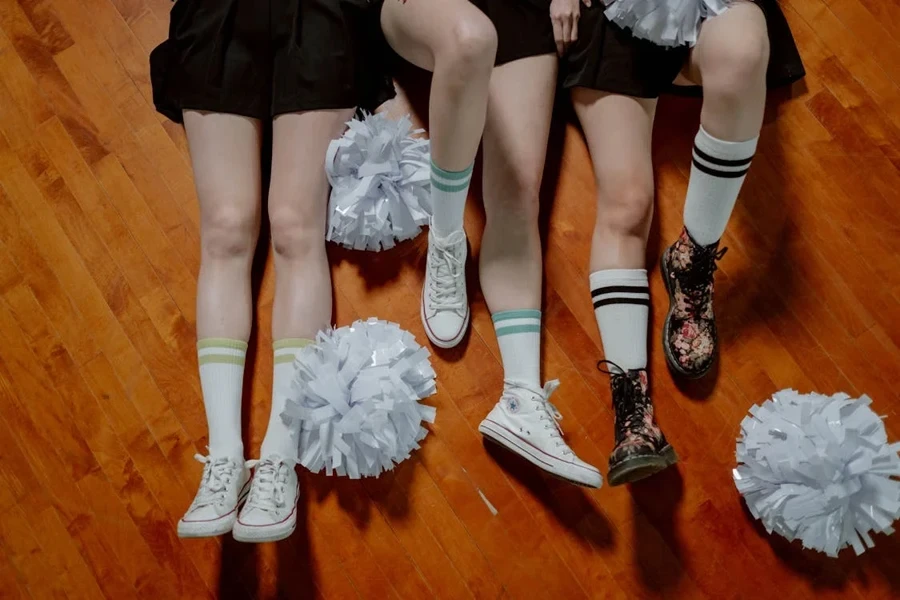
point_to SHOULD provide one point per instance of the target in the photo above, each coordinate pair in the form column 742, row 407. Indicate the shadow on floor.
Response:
column 569, row 504
column 657, row 499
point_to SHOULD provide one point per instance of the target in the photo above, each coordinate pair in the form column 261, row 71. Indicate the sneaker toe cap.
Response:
column 258, row 518
column 585, row 473
column 205, row 514
column 446, row 326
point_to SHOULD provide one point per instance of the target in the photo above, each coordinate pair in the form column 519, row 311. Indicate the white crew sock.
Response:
column 519, row 336
column 448, row 199
column 717, row 174
column 622, row 307
column 278, row 438
column 221, row 363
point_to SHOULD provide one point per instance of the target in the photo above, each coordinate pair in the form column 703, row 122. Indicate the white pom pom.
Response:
column 819, row 469
column 355, row 401
column 664, row 22
column 380, row 183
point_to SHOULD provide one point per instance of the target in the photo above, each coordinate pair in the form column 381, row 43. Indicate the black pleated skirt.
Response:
column 608, row 58
column 261, row 58
column 523, row 27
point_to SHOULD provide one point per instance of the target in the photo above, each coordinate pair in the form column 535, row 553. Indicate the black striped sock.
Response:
column 621, row 300
column 717, row 174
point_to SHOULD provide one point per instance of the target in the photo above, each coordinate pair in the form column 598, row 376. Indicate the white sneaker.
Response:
column 270, row 513
column 223, row 488
column 445, row 306
column 525, row 422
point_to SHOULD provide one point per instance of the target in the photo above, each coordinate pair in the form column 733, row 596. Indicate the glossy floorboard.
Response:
column 100, row 411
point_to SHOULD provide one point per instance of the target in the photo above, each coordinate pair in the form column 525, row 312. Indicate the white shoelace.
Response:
column 217, row 475
column 447, row 277
column 548, row 410
column 267, row 489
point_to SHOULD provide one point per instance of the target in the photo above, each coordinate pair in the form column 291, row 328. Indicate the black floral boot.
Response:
column 689, row 333
column 641, row 448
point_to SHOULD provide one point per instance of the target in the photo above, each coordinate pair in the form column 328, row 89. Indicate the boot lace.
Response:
column 696, row 280
column 629, row 401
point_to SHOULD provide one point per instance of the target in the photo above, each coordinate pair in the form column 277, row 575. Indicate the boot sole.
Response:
column 641, row 467
column 507, row 440
column 670, row 358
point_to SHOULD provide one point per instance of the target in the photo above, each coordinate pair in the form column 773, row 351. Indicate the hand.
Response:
column 564, row 14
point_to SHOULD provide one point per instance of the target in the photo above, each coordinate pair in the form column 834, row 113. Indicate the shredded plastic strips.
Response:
column 819, row 469
column 355, row 408
column 380, row 183
column 664, row 22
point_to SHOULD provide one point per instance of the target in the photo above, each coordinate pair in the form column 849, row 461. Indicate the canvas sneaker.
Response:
column 270, row 513
column 445, row 305
column 525, row 422
column 223, row 488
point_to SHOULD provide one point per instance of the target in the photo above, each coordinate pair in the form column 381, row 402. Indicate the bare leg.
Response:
column 618, row 131
column 297, row 204
column 730, row 62
column 457, row 42
column 225, row 156
column 515, row 147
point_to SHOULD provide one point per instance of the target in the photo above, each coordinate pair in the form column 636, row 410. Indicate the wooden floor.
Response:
column 100, row 409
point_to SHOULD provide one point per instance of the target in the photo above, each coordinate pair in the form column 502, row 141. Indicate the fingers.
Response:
column 558, row 36
column 565, row 31
column 586, row 3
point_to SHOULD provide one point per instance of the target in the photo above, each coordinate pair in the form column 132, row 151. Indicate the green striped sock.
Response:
column 519, row 336
column 448, row 198
column 221, row 363
column 278, row 438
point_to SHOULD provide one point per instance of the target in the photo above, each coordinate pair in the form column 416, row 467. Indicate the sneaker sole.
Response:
column 186, row 533
column 506, row 439
column 259, row 539
column 670, row 358
column 444, row 344
column 641, row 467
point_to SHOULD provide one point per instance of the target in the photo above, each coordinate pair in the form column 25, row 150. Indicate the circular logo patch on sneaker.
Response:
column 512, row 405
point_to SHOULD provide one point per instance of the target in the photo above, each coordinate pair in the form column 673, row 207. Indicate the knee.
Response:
column 295, row 235
column 472, row 45
column 737, row 68
column 626, row 209
column 516, row 205
column 228, row 232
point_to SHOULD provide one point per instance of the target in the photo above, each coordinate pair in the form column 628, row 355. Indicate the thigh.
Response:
column 618, row 131
column 225, row 155
column 520, row 108
column 418, row 29
column 740, row 26
column 299, row 143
